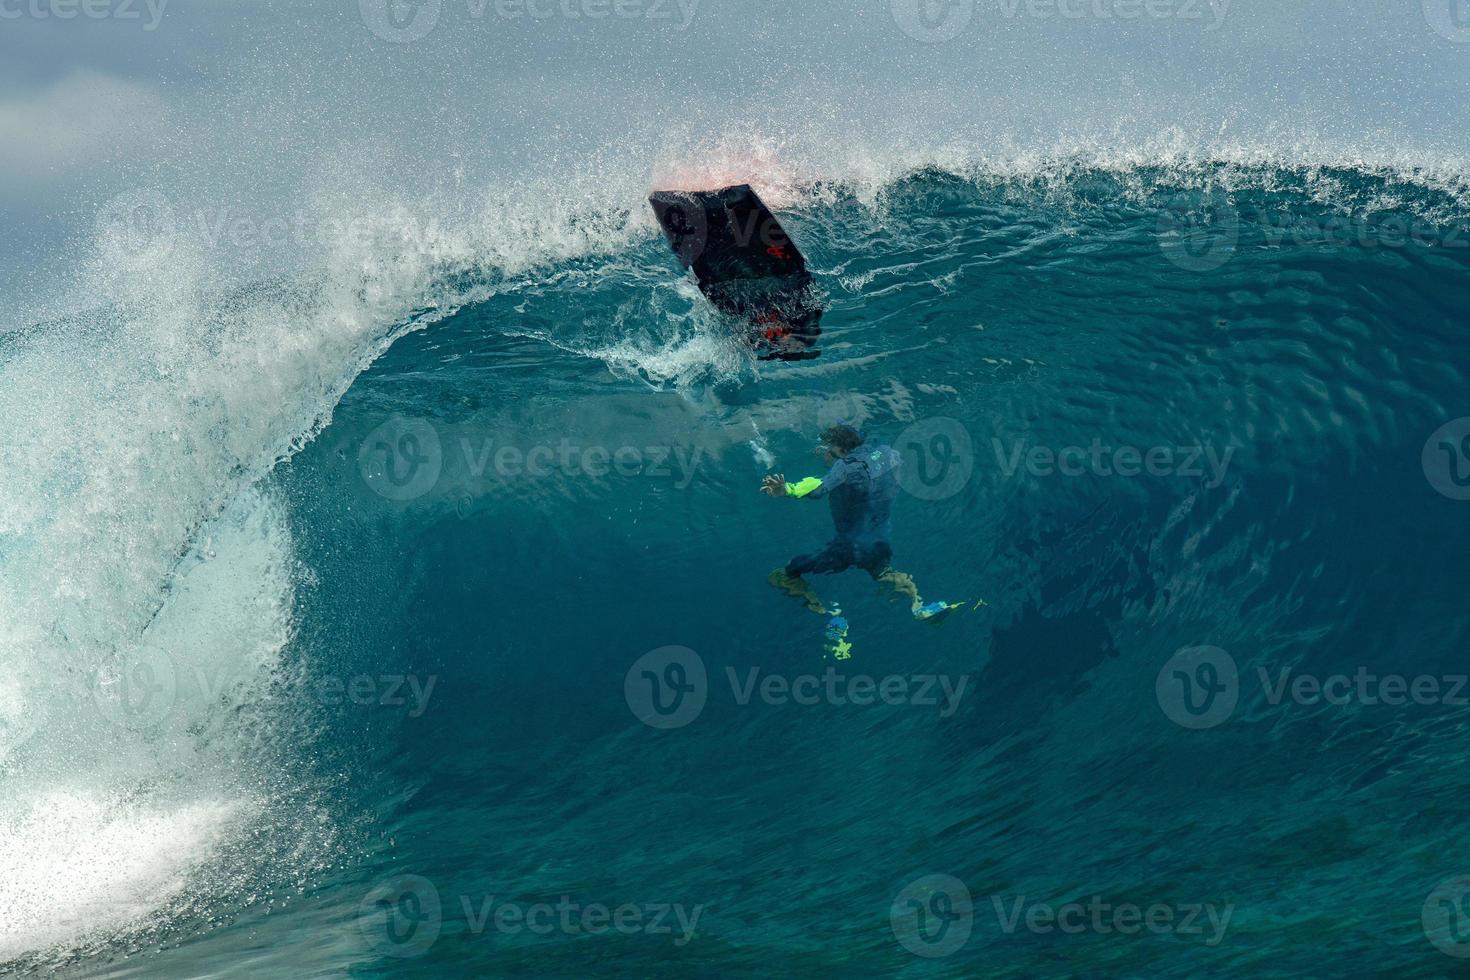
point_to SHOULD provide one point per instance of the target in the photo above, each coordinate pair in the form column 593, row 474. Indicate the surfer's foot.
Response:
column 836, row 644
column 933, row 612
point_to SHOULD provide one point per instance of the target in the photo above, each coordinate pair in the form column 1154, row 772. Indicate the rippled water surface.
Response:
column 358, row 620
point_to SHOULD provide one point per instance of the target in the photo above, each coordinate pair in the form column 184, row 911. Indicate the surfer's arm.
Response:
column 804, row 488
column 776, row 486
column 811, row 486
column 819, row 486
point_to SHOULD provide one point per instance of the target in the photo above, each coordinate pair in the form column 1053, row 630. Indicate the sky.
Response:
column 233, row 112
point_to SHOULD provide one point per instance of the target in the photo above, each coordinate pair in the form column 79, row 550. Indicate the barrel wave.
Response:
column 411, row 613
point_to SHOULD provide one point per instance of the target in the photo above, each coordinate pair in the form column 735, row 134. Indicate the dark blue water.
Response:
column 1185, row 443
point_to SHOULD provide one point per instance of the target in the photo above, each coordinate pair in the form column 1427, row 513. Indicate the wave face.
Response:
column 318, row 582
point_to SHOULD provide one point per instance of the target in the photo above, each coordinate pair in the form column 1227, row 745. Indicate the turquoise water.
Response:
column 346, row 648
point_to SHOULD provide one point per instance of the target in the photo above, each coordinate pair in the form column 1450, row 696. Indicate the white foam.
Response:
column 80, row 864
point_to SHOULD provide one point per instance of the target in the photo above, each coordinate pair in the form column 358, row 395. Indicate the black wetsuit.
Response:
column 861, row 488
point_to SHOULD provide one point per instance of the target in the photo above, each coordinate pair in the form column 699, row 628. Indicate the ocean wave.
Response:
column 138, row 533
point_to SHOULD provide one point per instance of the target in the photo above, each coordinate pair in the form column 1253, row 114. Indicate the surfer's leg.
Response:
column 834, row 558
column 798, row 588
column 877, row 561
column 835, row 642
column 903, row 586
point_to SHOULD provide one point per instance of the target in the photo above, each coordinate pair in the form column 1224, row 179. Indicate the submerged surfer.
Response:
column 862, row 484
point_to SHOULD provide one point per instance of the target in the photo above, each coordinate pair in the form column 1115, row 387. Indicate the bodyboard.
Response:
column 746, row 266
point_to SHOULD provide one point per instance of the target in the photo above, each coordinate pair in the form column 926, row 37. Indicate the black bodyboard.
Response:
column 746, row 265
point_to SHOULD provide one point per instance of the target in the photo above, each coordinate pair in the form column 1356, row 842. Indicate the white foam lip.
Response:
column 79, row 864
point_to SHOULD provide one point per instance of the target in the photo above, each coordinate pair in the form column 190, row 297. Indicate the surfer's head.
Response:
column 840, row 439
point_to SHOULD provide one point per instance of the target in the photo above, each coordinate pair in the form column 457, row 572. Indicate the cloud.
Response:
column 85, row 123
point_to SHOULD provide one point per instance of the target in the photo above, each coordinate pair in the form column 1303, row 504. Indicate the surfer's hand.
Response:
column 775, row 485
